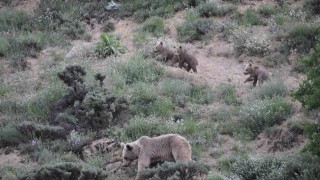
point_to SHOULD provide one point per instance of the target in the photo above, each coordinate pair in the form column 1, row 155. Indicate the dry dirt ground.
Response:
column 215, row 67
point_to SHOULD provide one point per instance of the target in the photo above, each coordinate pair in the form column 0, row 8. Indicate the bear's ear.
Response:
column 129, row 147
column 161, row 43
column 250, row 64
column 180, row 47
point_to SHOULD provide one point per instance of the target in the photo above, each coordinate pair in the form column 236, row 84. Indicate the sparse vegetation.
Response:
column 270, row 89
column 209, row 9
column 260, row 114
column 227, row 94
column 194, row 28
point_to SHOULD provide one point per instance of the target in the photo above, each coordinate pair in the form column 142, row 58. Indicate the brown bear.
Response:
column 166, row 53
column 167, row 147
column 256, row 74
column 185, row 57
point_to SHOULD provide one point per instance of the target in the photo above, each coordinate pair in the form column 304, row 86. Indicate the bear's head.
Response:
column 248, row 69
column 178, row 51
column 130, row 153
column 159, row 47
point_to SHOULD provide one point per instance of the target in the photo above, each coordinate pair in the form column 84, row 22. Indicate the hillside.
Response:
column 80, row 77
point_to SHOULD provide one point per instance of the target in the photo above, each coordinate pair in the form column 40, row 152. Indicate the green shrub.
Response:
column 194, row 28
column 4, row 46
column 260, row 114
column 138, row 69
column 209, row 9
column 143, row 9
column 267, row 10
column 201, row 94
column 271, row 88
column 274, row 60
column 10, row 136
column 227, row 94
column 108, row 26
column 250, row 41
column 274, row 167
column 220, row 115
column 312, row 146
column 66, row 171
column 14, row 20
column 179, row 170
column 309, row 92
column 302, row 37
column 153, row 25
column 250, row 18
column 108, row 45
column 149, row 126
column 313, row 6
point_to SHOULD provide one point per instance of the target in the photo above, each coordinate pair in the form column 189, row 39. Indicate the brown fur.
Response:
column 164, row 51
column 185, row 57
column 168, row 147
column 256, row 74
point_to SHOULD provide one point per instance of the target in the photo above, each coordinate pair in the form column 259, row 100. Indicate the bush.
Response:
column 9, row 136
column 108, row 45
column 143, row 9
column 153, row 25
column 274, row 60
column 267, row 10
column 209, row 9
column 138, row 69
column 4, row 46
column 260, row 114
column 149, row 126
column 308, row 93
column 275, row 167
column 220, row 115
column 179, row 171
column 66, row 170
column 271, row 88
column 312, row 146
column 194, row 28
column 313, row 6
column 302, row 37
column 227, row 93
column 250, row 18
column 250, row 41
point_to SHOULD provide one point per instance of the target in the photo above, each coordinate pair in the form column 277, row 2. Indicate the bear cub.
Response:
column 256, row 74
column 166, row 53
column 168, row 147
column 185, row 57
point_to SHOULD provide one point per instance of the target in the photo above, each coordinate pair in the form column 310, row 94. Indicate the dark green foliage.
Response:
column 313, row 6
column 143, row 9
column 302, row 37
column 66, row 171
column 209, row 9
column 309, row 91
column 32, row 130
column 275, row 167
column 10, row 136
column 267, row 10
column 83, row 106
column 249, row 18
column 260, row 114
column 153, row 25
column 178, row 171
column 313, row 146
column 108, row 46
column 194, row 28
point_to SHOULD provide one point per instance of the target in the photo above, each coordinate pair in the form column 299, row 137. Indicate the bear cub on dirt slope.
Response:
column 185, row 57
column 168, row 147
column 256, row 74
column 167, row 53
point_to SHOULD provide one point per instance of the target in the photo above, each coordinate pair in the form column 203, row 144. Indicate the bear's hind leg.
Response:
column 188, row 68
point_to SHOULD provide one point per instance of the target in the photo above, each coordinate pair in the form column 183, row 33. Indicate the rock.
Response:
column 104, row 145
column 112, row 167
column 82, row 50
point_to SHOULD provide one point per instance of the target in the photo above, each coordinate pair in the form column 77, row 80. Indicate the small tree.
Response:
column 309, row 90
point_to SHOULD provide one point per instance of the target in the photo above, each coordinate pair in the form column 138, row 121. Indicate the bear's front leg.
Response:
column 142, row 164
